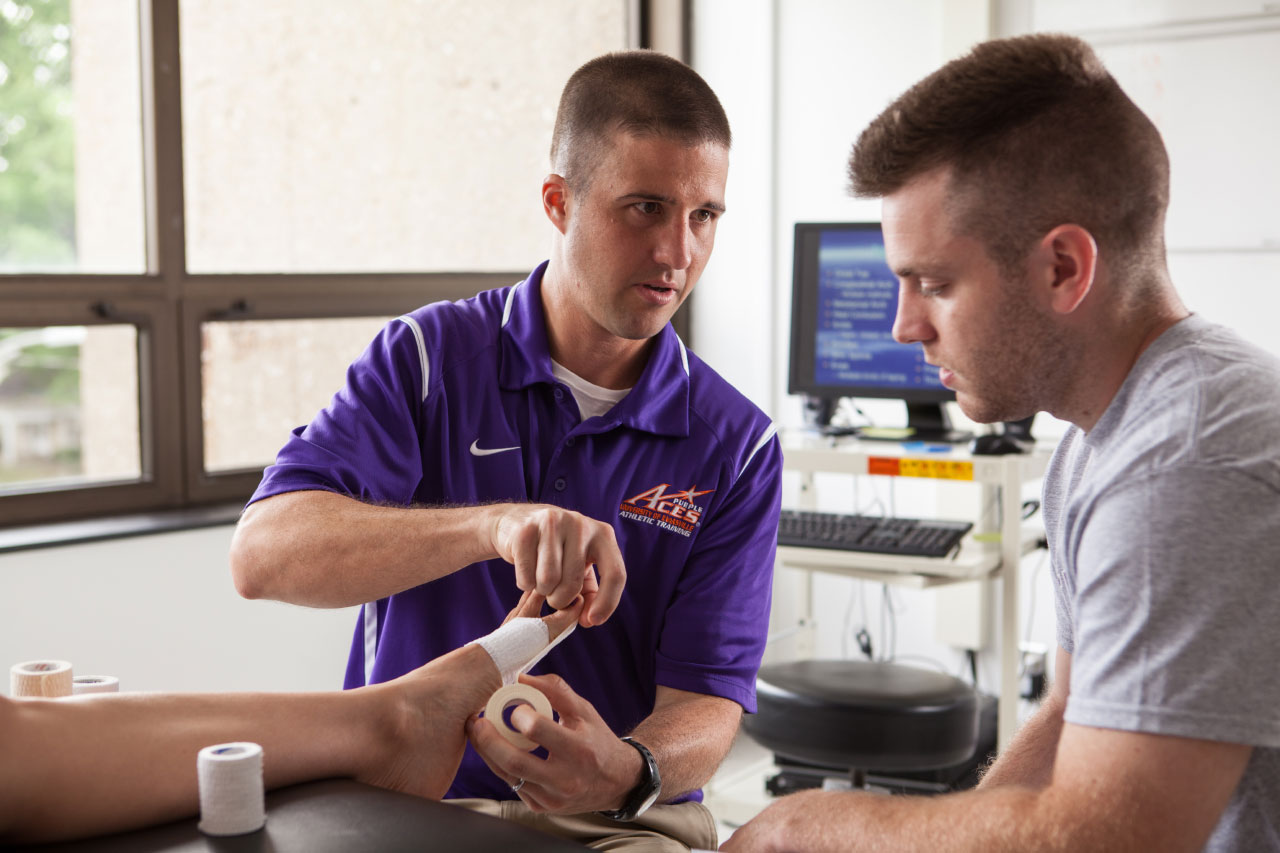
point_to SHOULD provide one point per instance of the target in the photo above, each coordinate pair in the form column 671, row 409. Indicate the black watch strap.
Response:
column 645, row 792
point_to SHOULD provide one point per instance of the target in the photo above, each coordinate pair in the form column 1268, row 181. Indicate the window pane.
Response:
column 68, row 406
column 262, row 378
column 325, row 135
column 70, row 137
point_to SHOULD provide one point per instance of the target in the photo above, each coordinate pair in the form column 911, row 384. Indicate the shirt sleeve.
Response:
column 365, row 443
column 721, row 605
column 1175, row 603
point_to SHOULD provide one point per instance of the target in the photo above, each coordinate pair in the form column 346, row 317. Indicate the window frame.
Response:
column 168, row 305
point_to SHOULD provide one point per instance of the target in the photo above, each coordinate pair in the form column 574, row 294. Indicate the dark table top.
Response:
column 339, row 815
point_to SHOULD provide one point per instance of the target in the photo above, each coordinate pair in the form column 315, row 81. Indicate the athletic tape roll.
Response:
column 48, row 679
column 232, row 800
column 94, row 684
column 509, row 696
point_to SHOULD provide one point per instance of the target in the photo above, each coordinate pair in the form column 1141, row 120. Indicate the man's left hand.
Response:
column 587, row 767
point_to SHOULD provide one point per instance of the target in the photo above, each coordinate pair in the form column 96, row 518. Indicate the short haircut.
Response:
column 1036, row 134
column 640, row 92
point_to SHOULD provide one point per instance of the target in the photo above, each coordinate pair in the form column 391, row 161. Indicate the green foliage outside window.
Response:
column 37, row 154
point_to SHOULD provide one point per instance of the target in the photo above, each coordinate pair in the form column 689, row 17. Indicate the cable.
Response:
column 864, row 643
column 847, row 628
column 888, row 624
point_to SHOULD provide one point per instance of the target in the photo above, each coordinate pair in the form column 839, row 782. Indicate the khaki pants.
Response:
column 668, row 829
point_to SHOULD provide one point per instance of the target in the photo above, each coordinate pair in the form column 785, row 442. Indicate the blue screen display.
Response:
column 857, row 300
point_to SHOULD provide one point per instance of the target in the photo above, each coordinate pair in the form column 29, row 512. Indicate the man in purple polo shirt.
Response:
column 558, row 436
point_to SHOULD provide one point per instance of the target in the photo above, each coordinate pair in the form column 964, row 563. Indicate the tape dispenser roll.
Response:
column 48, row 679
column 82, row 684
column 509, row 696
column 232, row 799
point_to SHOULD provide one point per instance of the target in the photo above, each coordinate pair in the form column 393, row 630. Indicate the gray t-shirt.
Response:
column 1164, row 533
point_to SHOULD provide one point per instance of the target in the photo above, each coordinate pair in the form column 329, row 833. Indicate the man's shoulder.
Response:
column 1211, row 373
column 1211, row 398
column 715, row 405
column 471, row 318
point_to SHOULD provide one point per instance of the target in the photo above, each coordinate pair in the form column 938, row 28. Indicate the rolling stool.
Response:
column 825, row 718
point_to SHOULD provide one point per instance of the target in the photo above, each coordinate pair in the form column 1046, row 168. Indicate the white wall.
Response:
column 159, row 613
column 814, row 72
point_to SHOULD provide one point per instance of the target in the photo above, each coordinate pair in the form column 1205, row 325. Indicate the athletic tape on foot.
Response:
column 515, row 647
column 519, row 644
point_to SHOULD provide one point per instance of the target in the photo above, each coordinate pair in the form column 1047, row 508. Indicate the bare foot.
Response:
column 426, row 735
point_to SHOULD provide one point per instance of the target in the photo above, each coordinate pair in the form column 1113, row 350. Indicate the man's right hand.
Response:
column 561, row 554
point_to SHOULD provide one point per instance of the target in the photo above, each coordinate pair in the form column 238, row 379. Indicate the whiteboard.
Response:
column 1215, row 100
column 1208, row 75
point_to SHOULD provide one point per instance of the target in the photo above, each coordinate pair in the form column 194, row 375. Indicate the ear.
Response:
column 555, row 201
column 1072, row 254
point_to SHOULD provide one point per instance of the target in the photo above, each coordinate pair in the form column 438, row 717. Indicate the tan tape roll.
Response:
column 82, row 684
column 48, row 679
column 508, row 696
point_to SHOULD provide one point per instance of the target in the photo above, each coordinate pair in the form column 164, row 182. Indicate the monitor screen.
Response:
column 843, row 303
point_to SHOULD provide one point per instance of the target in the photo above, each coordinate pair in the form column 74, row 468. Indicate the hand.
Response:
column 557, row 553
column 428, row 709
column 587, row 767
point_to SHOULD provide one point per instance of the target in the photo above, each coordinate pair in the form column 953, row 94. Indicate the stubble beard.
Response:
column 1020, row 372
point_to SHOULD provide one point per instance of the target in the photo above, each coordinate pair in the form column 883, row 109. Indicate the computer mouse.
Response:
column 997, row 444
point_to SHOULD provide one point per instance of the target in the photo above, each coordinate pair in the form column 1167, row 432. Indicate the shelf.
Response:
column 812, row 452
column 974, row 560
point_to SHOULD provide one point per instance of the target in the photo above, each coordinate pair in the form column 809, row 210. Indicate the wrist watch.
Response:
column 645, row 793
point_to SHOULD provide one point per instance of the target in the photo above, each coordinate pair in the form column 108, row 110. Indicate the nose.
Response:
column 911, row 324
column 674, row 249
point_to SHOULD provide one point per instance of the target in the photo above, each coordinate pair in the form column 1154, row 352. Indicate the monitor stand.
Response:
column 925, row 422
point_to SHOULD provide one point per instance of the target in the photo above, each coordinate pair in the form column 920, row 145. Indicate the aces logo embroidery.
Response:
column 675, row 511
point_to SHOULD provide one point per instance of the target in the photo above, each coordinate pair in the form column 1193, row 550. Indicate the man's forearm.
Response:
column 1002, row 821
column 321, row 549
column 1028, row 759
column 689, row 737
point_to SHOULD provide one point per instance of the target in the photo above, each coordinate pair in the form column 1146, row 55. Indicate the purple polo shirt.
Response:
column 685, row 469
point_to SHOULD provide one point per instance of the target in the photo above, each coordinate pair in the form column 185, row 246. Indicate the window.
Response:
column 57, row 426
column 194, row 243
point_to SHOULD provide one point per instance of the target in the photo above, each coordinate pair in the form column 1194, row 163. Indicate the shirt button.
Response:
column 558, row 393
column 570, row 441
column 560, row 484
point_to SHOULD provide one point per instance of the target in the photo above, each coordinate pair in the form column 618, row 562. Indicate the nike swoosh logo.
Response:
column 477, row 450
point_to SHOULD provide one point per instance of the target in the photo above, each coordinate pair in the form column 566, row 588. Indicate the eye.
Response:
column 704, row 216
column 932, row 288
column 649, row 208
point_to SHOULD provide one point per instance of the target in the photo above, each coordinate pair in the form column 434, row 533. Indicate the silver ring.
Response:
column 515, row 789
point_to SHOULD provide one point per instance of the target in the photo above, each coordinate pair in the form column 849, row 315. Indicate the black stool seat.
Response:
column 859, row 714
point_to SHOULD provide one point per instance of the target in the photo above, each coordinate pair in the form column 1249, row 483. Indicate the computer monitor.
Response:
column 843, row 302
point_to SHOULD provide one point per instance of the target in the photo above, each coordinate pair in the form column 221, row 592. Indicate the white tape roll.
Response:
column 232, row 801
column 49, row 679
column 94, row 684
column 509, row 696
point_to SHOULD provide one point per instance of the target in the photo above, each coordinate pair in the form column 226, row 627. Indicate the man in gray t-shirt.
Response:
column 1023, row 204
column 1164, row 533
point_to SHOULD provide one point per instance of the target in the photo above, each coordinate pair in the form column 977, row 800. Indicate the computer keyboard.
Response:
column 911, row 537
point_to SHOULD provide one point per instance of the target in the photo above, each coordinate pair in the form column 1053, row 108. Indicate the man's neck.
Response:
column 587, row 350
column 1111, row 357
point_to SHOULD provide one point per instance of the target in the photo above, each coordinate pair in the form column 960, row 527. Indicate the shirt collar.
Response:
column 659, row 402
